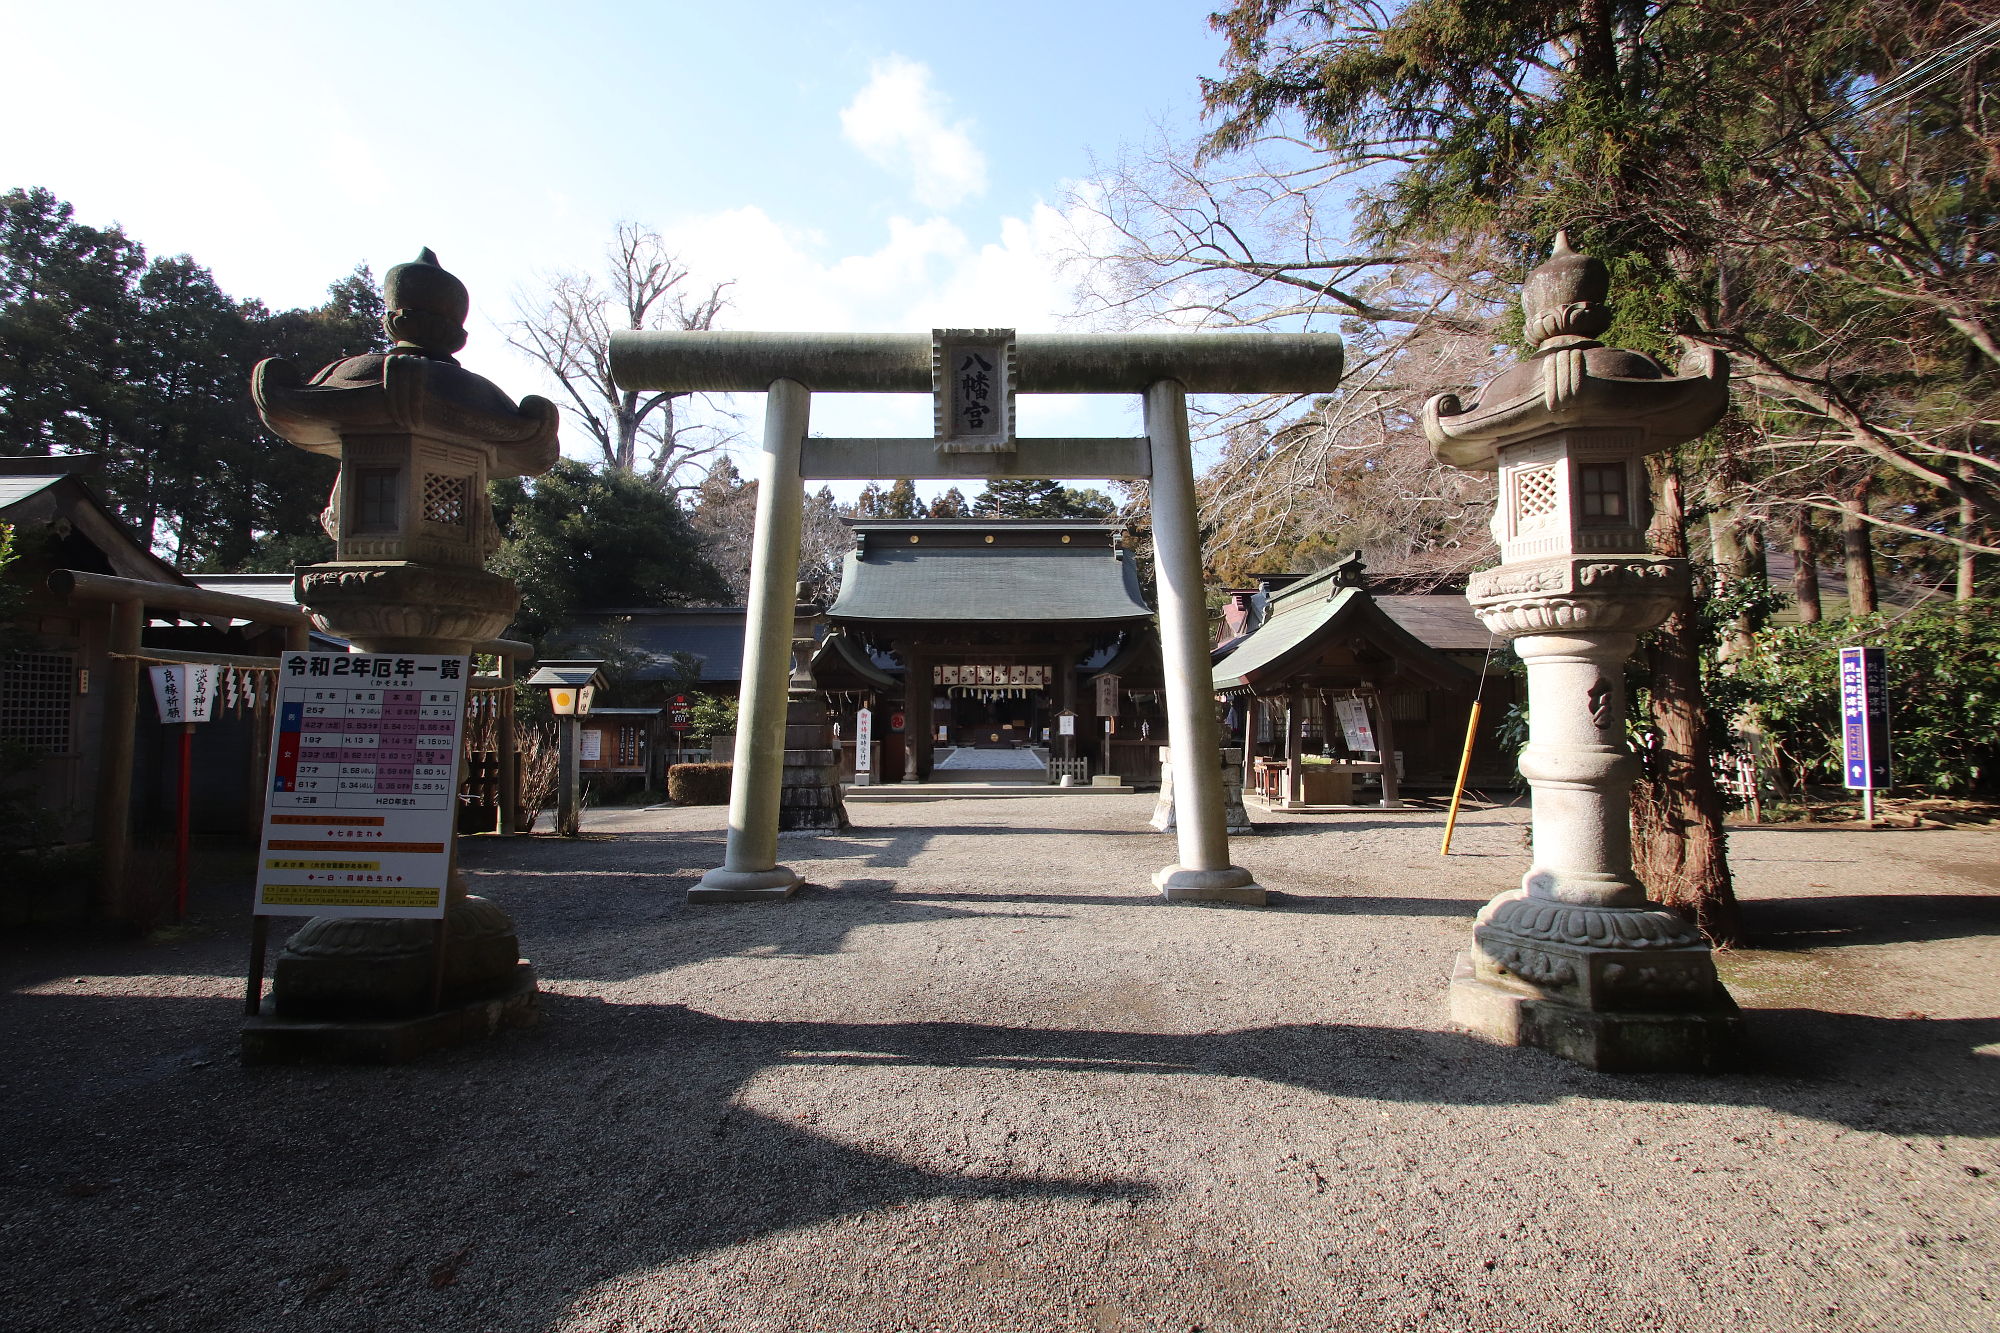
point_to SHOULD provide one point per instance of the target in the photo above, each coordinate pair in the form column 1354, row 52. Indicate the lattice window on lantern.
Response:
column 1601, row 487
column 1535, row 499
column 36, row 693
column 444, row 499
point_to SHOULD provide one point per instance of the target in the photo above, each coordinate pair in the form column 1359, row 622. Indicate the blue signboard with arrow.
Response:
column 1864, row 720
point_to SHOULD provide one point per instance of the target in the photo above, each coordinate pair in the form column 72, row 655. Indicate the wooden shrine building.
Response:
column 1330, row 684
column 983, row 632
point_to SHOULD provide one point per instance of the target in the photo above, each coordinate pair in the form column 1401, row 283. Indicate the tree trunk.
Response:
column 1737, row 549
column 1858, row 542
column 1678, row 845
column 1968, row 530
column 1805, row 567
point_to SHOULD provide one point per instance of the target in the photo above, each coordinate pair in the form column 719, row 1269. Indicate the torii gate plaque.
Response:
column 975, row 439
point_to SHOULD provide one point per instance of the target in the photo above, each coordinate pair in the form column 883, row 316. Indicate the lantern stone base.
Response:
column 269, row 1039
column 1232, row 884
column 746, row 886
column 1618, row 1042
column 1234, row 817
column 363, row 969
column 1621, row 989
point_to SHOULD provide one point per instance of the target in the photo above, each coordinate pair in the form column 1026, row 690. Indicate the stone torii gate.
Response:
column 973, row 375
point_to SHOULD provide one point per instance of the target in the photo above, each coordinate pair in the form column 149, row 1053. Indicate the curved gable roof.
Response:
column 1306, row 620
column 1036, row 573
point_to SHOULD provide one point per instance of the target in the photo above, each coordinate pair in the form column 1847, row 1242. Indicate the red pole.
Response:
column 181, row 835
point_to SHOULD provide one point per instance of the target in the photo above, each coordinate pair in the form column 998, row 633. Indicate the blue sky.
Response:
column 847, row 165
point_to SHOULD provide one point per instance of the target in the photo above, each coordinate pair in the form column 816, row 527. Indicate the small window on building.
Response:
column 376, row 509
column 36, row 691
column 1601, row 487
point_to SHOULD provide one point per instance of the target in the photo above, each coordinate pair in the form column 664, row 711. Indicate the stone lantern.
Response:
column 1576, row 959
column 417, row 438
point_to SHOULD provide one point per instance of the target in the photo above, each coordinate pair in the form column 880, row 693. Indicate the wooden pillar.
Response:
column 1385, row 738
column 114, row 772
column 917, row 692
column 1066, row 687
column 1295, row 707
column 1253, row 719
column 510, row 752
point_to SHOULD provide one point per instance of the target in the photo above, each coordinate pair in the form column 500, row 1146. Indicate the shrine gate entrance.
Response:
column 973, row 376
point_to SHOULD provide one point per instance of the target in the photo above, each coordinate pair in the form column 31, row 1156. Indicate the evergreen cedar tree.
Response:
column 1503, row 124
column 147, row 362
column 1028, row 498
column 579, row 537
column 1809, row 188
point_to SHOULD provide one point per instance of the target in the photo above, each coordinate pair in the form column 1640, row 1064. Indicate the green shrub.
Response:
column 1942, row 667
column 709, row 716
column 699, row 784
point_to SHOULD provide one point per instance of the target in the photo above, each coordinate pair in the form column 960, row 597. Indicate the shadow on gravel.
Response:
column 1869, row 918
column 1328, row 905
column 487, row 1188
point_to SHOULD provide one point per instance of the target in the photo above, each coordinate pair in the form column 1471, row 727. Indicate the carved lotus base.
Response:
column 1594, row 957
column 356, row 968
column 1569, row 594
column 405, row 607
column 1628, row 988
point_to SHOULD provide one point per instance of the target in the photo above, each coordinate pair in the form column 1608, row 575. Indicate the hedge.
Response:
column 699, row 784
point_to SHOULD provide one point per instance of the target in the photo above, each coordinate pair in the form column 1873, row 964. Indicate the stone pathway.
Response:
column 966, row 759
column 975, row 1077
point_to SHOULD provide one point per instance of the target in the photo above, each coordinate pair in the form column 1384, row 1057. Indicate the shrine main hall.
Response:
column 982, row 633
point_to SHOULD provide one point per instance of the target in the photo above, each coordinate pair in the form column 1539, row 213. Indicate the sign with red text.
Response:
column 363, row 795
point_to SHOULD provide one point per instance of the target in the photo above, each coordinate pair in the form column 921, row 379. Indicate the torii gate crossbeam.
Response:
column 1164, row 368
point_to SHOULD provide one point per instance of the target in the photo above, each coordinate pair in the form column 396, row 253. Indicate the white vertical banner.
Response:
column 184, row 693
column 864, row 736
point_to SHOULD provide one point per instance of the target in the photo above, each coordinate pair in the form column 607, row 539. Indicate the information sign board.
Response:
column 1107, row 695
column 864, row 736
column 1066, row 723
column 363, row 795
column 1864, row 719
column 1354, row 725
column 679, row 710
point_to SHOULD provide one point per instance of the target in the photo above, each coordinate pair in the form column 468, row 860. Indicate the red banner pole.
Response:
column 181, row 824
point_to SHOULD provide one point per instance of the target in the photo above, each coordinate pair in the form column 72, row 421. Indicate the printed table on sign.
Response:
column 364, row 785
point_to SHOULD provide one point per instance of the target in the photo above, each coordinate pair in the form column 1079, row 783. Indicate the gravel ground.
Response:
column 973, row 1078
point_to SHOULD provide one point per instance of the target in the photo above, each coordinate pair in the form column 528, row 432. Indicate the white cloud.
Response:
column 898, row 121
column 922, row 275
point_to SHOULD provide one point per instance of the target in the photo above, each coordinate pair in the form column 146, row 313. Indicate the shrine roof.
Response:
column 987, row 570
column 1318, row 614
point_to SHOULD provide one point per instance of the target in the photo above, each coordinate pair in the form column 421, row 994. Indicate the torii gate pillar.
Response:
column 976, row 442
